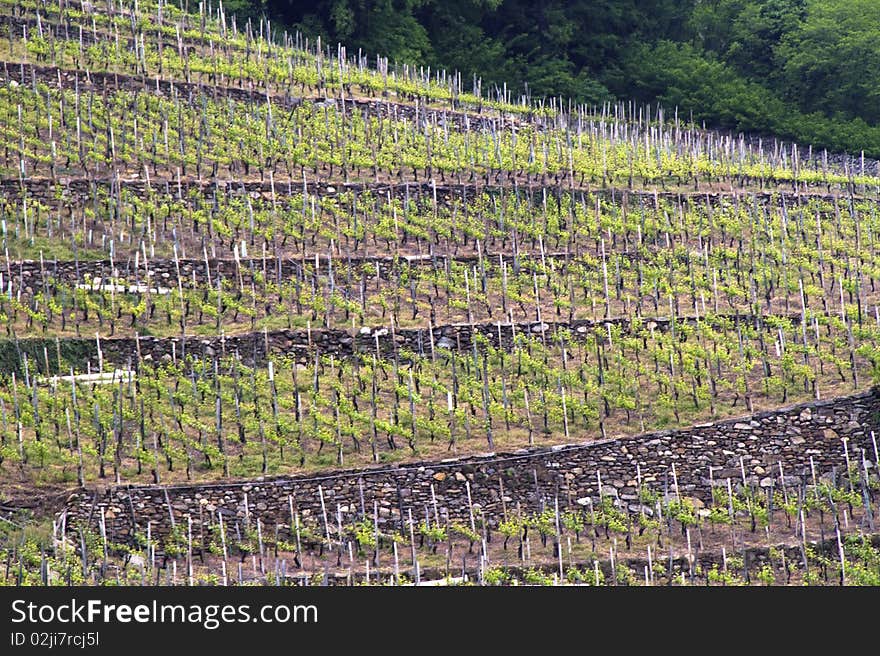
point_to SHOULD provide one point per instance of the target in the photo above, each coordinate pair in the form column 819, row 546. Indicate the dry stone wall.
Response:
column 808, row 439
column 255, row 348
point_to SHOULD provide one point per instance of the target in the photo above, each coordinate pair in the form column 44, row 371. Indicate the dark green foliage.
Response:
column 677, row 74
column 73, row 353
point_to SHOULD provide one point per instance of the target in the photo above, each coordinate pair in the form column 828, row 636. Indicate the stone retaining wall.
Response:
column 30, row 275
column 807, row 439
column 254, row 348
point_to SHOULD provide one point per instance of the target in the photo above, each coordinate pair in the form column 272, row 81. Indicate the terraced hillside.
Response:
column 231, row 253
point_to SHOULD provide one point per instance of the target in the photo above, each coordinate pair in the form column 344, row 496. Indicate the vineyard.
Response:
column 231, row 253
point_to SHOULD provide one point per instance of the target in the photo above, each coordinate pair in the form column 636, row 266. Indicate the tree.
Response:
column 385, row 27
column 831, row 63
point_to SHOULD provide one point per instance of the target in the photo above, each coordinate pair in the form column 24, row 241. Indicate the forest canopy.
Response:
column 807, row 70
